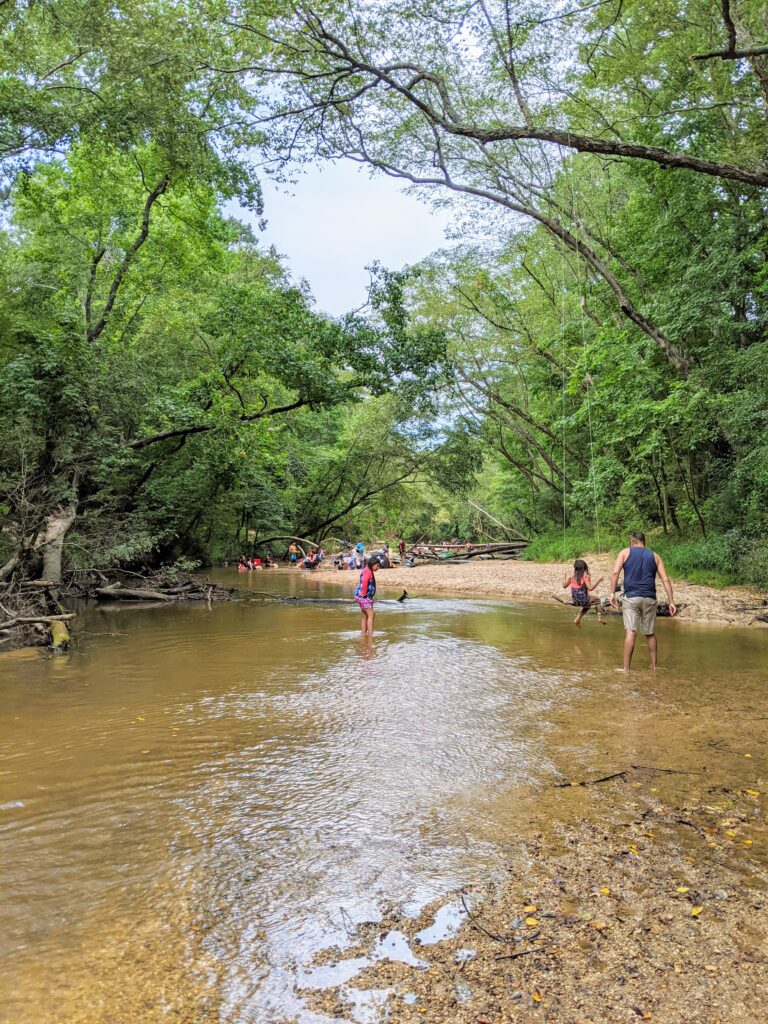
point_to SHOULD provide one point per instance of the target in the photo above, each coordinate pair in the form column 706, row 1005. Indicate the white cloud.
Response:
column 336, row 219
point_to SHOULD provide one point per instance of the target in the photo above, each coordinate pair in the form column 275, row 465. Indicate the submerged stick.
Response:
column 592, row 782
column 622, row 775
column 496, row 938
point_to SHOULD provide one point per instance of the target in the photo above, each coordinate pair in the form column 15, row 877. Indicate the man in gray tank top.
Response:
column 640, row 566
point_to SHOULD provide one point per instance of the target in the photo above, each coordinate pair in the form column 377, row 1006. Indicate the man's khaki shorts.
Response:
column 640, row 614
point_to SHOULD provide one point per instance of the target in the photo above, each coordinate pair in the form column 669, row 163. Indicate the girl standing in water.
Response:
column 581, row 588
column 364, row 594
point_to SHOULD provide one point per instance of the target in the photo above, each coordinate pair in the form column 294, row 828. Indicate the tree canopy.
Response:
column 589, row 352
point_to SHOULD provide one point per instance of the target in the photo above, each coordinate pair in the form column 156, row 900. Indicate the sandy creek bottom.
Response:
column 196, row 802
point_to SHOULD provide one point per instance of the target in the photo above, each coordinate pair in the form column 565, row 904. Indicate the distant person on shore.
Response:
column 293, row 554
column 401, row 549
column 639, row 604
column 364, row 594
column 582, row 586
column 310, row 562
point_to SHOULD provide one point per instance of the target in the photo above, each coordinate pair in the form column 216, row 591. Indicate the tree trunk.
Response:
column 52, row 541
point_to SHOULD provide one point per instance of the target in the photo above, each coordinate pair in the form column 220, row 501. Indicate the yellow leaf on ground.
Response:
column 752, row 792
column 598, row 924
column 605, row 891
column 695, row 911
column 747, row 755
column 730, row 832
column 531, row 922
column 536, row 996
column 682, row 888
column 531, row 909
column 747, row 842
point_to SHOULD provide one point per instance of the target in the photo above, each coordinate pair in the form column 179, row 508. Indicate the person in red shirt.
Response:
column 364, row 594
column 582, row 586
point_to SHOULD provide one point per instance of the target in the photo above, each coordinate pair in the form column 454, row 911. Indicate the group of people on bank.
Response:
column 639, row 604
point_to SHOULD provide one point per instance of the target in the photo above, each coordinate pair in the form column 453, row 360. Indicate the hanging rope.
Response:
column 563, row 357
column 580, row 287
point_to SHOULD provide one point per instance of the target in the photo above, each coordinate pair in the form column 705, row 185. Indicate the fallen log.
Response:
column 607, row 608
column 453, row 554
column 29, row 620
column 115, row 592
column 59, row 635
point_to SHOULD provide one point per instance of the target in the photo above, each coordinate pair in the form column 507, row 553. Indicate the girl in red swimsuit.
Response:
column 364, row 594
column 581, row 587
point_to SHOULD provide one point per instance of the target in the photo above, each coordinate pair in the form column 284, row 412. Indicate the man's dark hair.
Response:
column 638, row 536
column 374, row 560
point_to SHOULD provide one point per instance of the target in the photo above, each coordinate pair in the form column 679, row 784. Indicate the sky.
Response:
column 336, row 219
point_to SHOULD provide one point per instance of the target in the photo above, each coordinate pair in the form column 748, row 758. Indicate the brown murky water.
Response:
column 196, row 800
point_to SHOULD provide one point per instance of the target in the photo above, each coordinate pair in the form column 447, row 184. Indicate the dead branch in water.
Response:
column 592, row 782
column 622, row 775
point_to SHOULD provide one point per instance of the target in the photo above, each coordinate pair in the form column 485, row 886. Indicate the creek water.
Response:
column 197, row 800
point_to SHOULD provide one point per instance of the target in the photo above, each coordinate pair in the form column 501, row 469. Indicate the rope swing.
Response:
column 581, row 290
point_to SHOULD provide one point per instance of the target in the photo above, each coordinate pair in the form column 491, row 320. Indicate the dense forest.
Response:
column 587, row 355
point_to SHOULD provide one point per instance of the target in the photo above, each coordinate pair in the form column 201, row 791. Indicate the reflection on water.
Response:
column 196, row 801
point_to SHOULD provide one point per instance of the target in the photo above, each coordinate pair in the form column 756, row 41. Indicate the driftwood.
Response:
column 28, row 620
column 59, row 635
column 124, row 585
column 33, row 615
column 458, row 552
column 282, row 599
column 118, row 593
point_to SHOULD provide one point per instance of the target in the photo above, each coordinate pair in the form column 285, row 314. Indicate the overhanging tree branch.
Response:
column 96, row 330
column 408, row 81
column 203, row 428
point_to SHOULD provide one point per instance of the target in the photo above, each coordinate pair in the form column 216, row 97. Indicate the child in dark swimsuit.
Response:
column 581, row 588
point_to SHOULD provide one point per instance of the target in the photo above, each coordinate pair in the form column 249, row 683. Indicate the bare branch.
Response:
column 96, row 330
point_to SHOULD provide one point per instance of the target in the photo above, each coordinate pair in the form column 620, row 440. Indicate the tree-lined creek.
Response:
column 196, row 801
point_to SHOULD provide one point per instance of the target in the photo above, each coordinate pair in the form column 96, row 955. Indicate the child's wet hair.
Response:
column 374, row 560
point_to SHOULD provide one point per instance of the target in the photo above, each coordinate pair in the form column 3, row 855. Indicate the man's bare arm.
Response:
column 667, row 583
column 617, row 567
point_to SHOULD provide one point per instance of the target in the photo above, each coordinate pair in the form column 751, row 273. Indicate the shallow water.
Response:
column 196, row 801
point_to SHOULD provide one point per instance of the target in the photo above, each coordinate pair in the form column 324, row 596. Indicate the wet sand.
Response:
column 656, row 912
column 737, row 606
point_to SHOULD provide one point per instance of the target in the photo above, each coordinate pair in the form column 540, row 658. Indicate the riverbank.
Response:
column 737, row 606
column 655, row 914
